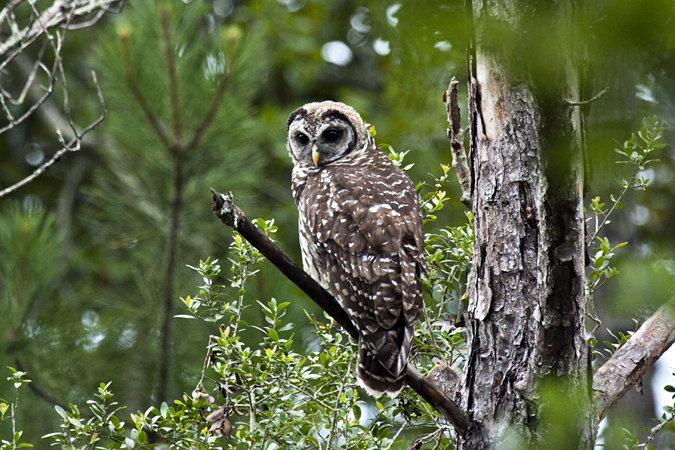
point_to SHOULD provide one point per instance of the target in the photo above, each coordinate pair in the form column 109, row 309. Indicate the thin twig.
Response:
column 32, row 73
column 596, row 97
column 456, row 136
column 231, row 215
column 10, row 6
column 606, row 216
column 48, row 90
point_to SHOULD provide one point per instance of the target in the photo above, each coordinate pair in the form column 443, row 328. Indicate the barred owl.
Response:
column 361, row 235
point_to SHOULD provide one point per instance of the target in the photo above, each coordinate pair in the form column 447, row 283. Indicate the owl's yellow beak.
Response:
column 315, row 154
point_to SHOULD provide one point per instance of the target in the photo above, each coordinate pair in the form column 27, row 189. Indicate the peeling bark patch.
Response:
column 505, row 286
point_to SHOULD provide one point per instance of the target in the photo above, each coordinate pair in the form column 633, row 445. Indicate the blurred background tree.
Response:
column 93, row 252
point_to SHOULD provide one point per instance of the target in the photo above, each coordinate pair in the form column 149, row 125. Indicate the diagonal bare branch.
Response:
column 231, row 215
column 630, row 362
column 132, row 84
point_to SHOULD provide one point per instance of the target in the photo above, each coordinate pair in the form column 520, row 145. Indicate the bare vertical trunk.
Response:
column 526, row 287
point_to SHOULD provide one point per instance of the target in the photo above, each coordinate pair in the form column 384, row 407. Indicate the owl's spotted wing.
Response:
column 369, row 234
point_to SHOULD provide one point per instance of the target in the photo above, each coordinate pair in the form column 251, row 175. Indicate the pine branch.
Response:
column 167, row 289
column 630, row 362
column 231, row 215
column 132, row 85
column 170, row 63
column 213, row 109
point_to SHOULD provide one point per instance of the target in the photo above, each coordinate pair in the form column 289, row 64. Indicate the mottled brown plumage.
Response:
column 361, row 234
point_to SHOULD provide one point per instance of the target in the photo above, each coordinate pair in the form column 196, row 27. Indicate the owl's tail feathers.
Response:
column 373, row 377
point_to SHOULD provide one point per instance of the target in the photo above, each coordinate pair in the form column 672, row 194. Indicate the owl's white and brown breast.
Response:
column 361, row 236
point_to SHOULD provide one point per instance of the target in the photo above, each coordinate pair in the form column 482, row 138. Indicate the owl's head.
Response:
column 324, row 132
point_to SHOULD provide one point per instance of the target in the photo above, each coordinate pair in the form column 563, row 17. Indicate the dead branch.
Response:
column 73, row 145
column 30, row 85
column 60, row 13
column 231, row 215
column 630, row 362
column 456, row 136
column 15, row 38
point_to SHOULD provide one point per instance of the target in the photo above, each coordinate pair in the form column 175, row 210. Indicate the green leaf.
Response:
column 599, row 261
column 273, row 334
column 62, row 412
column 75, row 422
column 288, row 326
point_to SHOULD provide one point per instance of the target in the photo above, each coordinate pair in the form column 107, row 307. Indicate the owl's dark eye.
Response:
column 332, row 135
column 302, row 138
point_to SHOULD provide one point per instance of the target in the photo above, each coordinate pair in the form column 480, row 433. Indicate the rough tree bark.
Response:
column 526, row 287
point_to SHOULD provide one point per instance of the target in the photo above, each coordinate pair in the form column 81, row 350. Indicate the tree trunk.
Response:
column 527, row 350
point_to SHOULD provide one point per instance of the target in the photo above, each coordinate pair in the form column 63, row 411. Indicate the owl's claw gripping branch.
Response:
column 225, row 209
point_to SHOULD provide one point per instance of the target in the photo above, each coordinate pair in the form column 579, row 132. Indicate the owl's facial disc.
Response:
column 320, row 141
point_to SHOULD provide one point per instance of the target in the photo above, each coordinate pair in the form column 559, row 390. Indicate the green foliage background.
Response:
column 83, row 249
